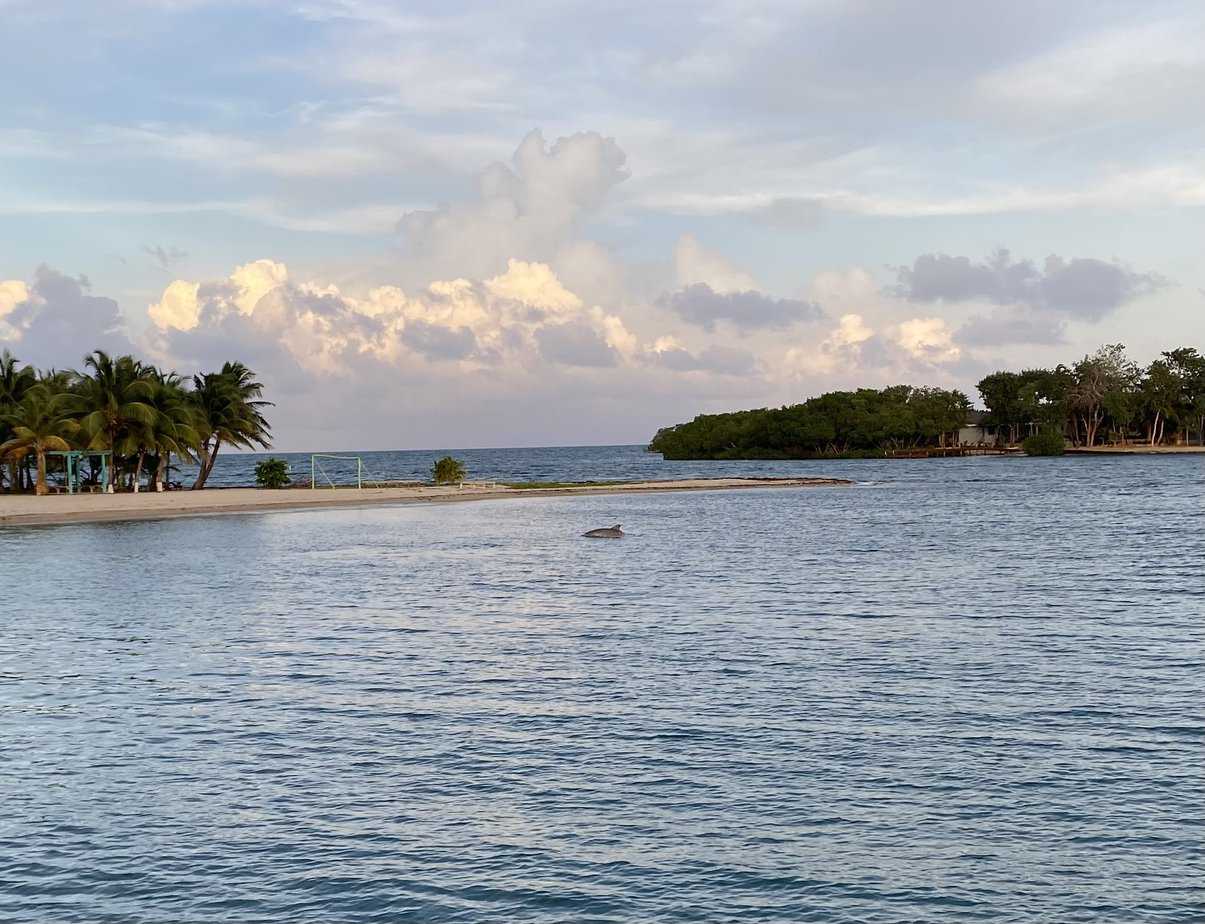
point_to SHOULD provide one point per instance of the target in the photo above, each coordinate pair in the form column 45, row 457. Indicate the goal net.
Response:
column 330, row 471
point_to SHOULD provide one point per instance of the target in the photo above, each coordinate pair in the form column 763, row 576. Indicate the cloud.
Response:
column 532, row 284
column 1140, row 71
column 13, row 292
column 56, row 322
column 1081, row 288
column 719, row 359
column 164, row 257
column 695, row 264
column 700, row 304
column 791, row 213
column 575, row 344
column 1010, row 325
column 927, row 339
column 516, row 318
column 438, row 342
column 528, row 210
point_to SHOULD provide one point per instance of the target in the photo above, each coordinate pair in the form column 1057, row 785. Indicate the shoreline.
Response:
column 61, row 509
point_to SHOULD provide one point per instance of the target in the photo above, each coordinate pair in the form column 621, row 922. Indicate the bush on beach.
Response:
column 448, row 471
column 1046, row 442
column 272, row 473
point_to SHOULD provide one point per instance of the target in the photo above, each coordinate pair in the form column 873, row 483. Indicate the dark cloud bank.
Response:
column 1034, row 303
column 700, row 304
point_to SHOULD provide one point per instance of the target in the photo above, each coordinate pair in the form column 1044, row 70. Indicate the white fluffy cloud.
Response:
column 928, row 339
column 695, row 264
column 56, row 320
column 528, row 210
column 519, row 316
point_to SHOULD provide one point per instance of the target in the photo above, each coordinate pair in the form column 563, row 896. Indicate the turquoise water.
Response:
column 962, row 690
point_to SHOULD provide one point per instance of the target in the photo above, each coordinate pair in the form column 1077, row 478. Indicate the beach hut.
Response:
column 72, row 459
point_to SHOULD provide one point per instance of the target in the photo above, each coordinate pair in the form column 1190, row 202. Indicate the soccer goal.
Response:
column 328, row 467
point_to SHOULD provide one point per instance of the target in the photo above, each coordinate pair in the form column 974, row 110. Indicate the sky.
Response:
column 459, row 224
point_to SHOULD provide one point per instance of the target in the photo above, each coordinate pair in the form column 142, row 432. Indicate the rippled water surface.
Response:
column 963, row 690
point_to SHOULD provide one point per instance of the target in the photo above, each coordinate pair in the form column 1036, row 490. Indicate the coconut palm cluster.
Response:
column 141, row 415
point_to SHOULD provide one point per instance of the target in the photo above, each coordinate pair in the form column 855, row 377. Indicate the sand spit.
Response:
column 26, row 510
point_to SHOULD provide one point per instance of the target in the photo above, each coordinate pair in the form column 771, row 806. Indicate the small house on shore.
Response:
column 974, row 433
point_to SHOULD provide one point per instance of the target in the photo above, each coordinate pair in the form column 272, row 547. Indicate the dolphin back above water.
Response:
column 611, row 532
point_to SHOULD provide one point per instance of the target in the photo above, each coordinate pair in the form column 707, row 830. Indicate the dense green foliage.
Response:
column 448, row 471
column 141, row 414
column 272, row 473
column 1105, row 397
column 862, row 422
column 1046, row 442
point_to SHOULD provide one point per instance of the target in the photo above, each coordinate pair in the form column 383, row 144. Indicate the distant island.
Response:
column 1105, row 399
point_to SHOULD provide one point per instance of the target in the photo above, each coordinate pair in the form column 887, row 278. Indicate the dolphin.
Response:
column 611, row 532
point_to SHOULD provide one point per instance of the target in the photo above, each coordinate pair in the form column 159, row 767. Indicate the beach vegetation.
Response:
column 448, row 471
column 866, row 422
column 1046, row 442
column 1104, row 397
column 229, row 407
column 272, row 473
column 138, row 414
column 38, row 424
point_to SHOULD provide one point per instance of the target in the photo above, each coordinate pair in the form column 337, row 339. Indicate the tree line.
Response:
column 840, row 423
column 1105, row 397
column 139, row 413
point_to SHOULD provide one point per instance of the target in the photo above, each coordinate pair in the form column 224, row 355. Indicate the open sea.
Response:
column 961, row 690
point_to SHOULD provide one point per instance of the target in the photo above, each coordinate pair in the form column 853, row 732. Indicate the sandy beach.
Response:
column 27, row 510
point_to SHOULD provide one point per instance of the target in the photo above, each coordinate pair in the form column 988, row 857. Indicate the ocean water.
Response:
column 566, row 463
column 960, row 690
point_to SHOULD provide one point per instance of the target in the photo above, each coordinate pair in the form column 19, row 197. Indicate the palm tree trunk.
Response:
column 161, row 469
column 200, row 482
column 207, row 461
column 111, row 487
column 40, row 487
column 138, row 469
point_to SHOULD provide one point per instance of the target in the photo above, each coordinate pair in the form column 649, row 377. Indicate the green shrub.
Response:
column 1044, row 443
column 448, row 471
column 272, row 473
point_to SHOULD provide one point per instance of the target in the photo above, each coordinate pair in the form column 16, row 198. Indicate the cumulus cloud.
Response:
column 1012, row 325
column 13, row 292
column 526, row 210
column 520, row 316
column 1081, row 288
column 575, row 343
column 855, row 353
column 700, row 304
column 438, row 342
column 841, row 350
column 719, row 359
column 928, row 339
column 695, row 264
column 55, row 321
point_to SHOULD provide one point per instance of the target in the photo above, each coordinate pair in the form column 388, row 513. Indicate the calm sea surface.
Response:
column 962, row 690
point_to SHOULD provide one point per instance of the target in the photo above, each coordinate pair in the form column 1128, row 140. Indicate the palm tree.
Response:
column 228, row 412
column 112, row 405
column 14, row 383
column 174, row 428
column 40, row 423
